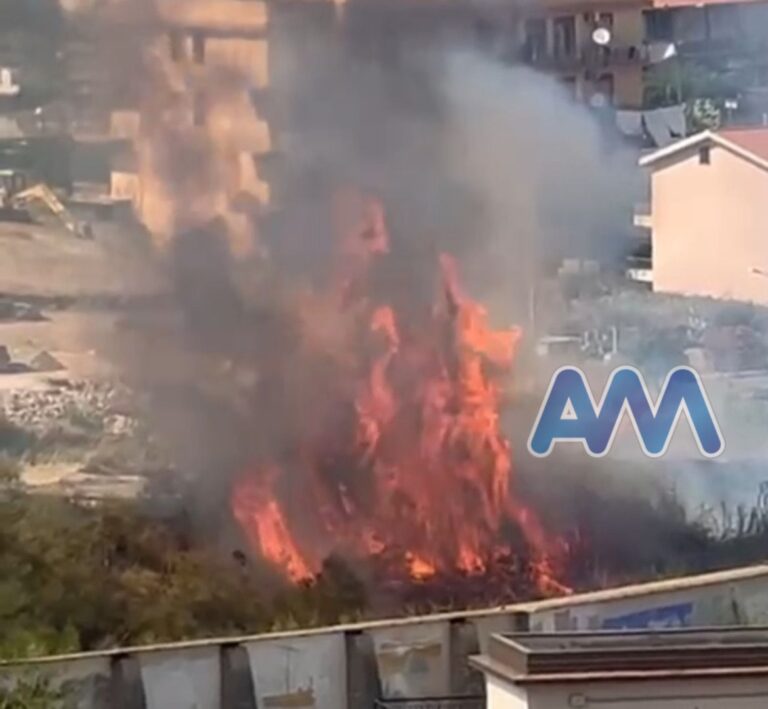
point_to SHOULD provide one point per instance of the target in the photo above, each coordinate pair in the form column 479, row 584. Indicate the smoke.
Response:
column 490, row 163
column 551, row 179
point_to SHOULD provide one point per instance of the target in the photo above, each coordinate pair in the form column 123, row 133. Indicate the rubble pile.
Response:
column 40, row 409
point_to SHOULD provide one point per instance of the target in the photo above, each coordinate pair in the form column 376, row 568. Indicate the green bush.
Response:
column 33, row 693
column 82, row 579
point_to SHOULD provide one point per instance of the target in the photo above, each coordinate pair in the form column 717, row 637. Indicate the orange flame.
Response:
column 260, row 515
column 424, row 475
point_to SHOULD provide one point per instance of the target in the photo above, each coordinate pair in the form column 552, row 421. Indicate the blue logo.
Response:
column 569, row 413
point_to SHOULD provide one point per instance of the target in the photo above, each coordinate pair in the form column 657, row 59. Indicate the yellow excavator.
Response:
column 41, row 195
column 18, row 200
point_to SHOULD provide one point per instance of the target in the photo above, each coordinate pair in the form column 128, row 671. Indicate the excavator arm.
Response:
column 42, row 194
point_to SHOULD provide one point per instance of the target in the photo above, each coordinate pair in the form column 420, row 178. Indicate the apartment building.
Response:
column 604, row 50
column 558, row 36
column 172, row 120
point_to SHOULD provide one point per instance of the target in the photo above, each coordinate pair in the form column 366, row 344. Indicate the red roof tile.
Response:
column 755, row 140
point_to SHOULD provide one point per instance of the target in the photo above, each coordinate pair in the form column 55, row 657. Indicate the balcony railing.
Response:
column 587, row 56
column 714, row 47
column 642, row 216
column 639, row 269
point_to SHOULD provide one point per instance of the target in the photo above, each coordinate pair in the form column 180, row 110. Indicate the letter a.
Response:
column 567, row 413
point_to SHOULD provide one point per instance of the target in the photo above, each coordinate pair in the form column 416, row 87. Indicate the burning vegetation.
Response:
column 386, row 446
column 333, row 407
column 346, row 413
column 405, row 462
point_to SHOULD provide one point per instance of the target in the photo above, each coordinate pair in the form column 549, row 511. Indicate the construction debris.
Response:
column 38, row 409
column 19, row 311
column 45, row 362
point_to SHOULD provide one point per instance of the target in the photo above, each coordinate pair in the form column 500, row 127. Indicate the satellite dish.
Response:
column 601, row 36
column 669, row 51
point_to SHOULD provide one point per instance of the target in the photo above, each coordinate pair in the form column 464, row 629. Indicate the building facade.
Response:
column 557, row 36
column 608, row 52
column 707, row 216
column 209, row 62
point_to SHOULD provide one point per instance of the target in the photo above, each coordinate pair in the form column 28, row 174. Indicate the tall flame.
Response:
column 423, row 475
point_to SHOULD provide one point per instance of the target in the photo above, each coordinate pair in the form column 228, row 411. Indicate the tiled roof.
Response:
column 755, row 140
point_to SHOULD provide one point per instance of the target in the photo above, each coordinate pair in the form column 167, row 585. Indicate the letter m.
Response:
column 569, row 413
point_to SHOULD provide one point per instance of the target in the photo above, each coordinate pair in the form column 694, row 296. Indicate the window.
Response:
column 564, row 37
column 659, row 26
column 724, row 22
column 535, row 45
column 690, row 24
column 176, row 46
column 754, row 20
column 198, row 48
column 605, row 19
column 704, row 155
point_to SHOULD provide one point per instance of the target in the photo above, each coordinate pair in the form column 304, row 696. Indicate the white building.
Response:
column 670, row 669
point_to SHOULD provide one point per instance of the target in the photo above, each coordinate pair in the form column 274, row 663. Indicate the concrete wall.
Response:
column 503, row 695
column 354, row 665
column 709, row 227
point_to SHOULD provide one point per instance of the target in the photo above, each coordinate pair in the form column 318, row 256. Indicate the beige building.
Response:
column 708, row 215
column 680, row 669
column 209, row 68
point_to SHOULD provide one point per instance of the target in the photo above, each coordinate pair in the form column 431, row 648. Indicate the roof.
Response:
column 543, row 657
column 755, row 140
column 748, row 143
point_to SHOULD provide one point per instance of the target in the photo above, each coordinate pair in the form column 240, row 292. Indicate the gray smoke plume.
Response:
column 489, row 161
column 468, row 156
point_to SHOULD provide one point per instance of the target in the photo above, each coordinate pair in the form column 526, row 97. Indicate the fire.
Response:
column 419, row 568
column 421, row 477
column 260, row 515
column 404, row 460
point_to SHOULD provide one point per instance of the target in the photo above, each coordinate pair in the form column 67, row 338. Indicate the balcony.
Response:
column 585, row 56
column 642, row 216
column 639, row 269
column 594, row 56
